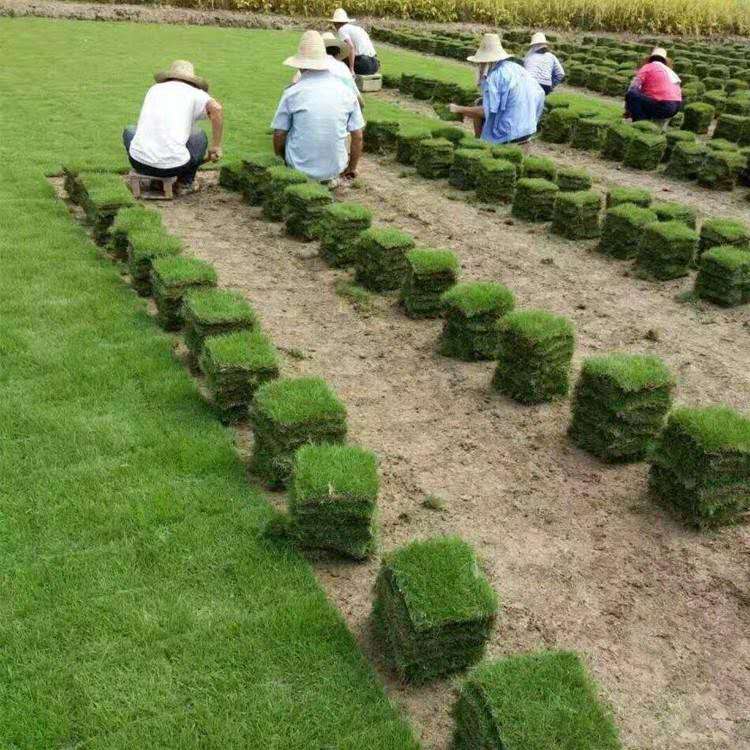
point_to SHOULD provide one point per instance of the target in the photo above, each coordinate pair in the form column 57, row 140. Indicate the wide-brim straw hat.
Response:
column 181, row 70
column 658, row 52
column 538, row 40
column 311, row 53
column 490, row 50
column 341, row 16
column 331, row 40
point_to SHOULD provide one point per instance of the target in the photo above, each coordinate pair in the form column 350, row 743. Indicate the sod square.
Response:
column 406, row 84
column 638, row 196
column 721, row 169
column 534, row 199
column 533, row 701
column 509, row 152
column 701, row 467
column 716, row 98
column 539, row 166
column 475, row 144
column 256, row 178
column 666, row 250
column 722, row 144
column 423, row 88
column 737, row 106
column 103, row 196
column 212, row 312
column 145, row 244
column 463, row 171
column 235, row 365
column 645, row 151
column 434, row 609
column 686, row 160
column 671, row 211
column 171, row 277
column 619, row 405
column 698, row 117
column 274, row 198
column 429, row 274
column 391, row 81
column 576, row 215
column 496, row 180
column 589, row 133
column 380, row 258
column 596, row 78
column 724, row 275
column 571, row 179
column 305, row 205
column 129, row 220
column 716, row 232
column 434, row 158
column 333, row 495
column 673, row 138
column 287, row 414
column 446, row 92
column 449, row 133
column 407, row 142
column 534, row 353
column 646, row 126
column 735, row 128
column 380, row 136
column 232, row 175
column 341, row 224
column 735, row 84
column 472, row 311
column 616, row 84
column 443, row 112
column 622, row 229
column 557, row 125
column 616, row 139
column 72, row 182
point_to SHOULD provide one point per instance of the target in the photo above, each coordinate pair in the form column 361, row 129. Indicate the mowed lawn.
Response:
column 140, row 607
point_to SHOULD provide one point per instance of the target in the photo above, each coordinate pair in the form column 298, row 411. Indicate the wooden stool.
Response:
column 369, row 83
column 140, row 184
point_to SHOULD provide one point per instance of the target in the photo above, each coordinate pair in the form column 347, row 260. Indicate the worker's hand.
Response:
column 215, row 153
column 455, row 108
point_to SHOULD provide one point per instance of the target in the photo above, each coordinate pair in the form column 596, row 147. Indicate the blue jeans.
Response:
column 640, row 107
column 197, row 144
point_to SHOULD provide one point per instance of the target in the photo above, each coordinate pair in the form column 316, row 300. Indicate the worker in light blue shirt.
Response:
column 315, row 116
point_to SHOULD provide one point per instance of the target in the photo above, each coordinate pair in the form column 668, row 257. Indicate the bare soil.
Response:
column 580, row 555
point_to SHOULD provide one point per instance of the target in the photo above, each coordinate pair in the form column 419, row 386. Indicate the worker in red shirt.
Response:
column 655, row 92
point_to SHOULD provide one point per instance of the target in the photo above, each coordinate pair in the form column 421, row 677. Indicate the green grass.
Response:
column 152, row 241
column 426, row 261
column 244, row 350
column 629, row 372
column 106, row 190
column 214, row 306
column 298, row 401
column 479, row 298
column 135, row 217
column 179, row 271
column 716, row 428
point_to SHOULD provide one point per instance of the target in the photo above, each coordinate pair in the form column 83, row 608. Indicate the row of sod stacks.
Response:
column 535, row 349
column 542, row 700
column 102, row 197
column 666, row 250
column 720, row 169
column 434, row 158
column 534, row 199
column 701, row 466
column 235, row 365
column 464, row 170
column 145, row 245
column 645, row 151
column 429, row 274
column 380, row 136
column 333, row 494
column 380, row 258
column 340, row 225
column 636, row 196
column 686, row 160
column 472, row 312
column 305, row 205
column 287, row 414
column 274, row 198
column 407, row 143
column 496, row 180
column 619, row 405
column 232, row 175
column 570, row 180
column 130, row 220
column 434, row 609
column 256, row 178
column 212, row 312
column 171, row 277
column 724, row 276
column 622, row 229
column 576, row 215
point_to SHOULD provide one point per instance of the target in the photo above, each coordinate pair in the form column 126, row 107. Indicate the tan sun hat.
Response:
column 331, row 40
column 182, row 70
column 311, row 54
column 538, row 39
column 659, row 52
column 490, row 50
column 340, row 16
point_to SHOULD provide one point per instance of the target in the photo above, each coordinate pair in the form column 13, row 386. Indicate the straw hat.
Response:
column 311, row 54
column 490, row 50
column 331, row 40
column 538, row 40
column 182, row 70
column 340, row 16
column 659, row 52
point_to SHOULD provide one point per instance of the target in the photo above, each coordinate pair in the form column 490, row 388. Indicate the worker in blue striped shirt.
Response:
column 542, row 65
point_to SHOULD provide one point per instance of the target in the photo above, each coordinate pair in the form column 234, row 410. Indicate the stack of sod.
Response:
column 212, row 312
column 722, row 144
column 666, row 250
column 391, row 81
column 434, row 609
column 724, row 276
column 671, row 211
column 443, row 112
column 509, row 152
column 616, row 139
column 423, row 88
column 305, row 205
column 645, row 151
column 380, row 258
column 333, row 494
column 171, row 278
column 104, row 195
column 534, row 199
column 236, row 364
column 232, row 175
column 380, row 136
column 429, row 274
column 637, row 196
column 686, row 160
column 534, row 353
column 463, row 171
column 619, row 405
column 256, row 179
column 470, row 142
column 539, row 166
column 496, row 180
column 130, row 220
column 406, row 144
column 541, row 701
column 406, row 83
column 570, row 179
column 274, row 198
column 720, row 169
column 340, row 227
column 589, row 133
column 646, row 126
column 716, row 99
column 576, row 215
column 673, row 138
column 434, row 158
column 557, row 125
column 446, row 92
column 698, row 117
column 145, row 244
column 716, row 232
column 472, row 312
column 287, row 414
column 735, row 128
column 701, row 467
column 449, row 133
column 622, row 229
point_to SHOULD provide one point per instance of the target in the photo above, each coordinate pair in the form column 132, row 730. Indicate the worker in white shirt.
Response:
column 363, row 59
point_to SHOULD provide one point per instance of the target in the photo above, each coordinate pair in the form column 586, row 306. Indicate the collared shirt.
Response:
column 513, row 102
column 359, row 39
column 317, row 113
column 657, row 81
column 544, row 68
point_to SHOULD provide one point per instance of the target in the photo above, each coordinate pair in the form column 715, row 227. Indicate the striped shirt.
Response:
column 544, row 68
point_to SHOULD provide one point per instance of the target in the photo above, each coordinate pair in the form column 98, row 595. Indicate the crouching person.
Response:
column 165, row 142
column 316, row 115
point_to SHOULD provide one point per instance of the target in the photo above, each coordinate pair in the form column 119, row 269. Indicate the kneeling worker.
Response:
column 165, row 142
column 315, row 116
column 655, row 92
column 363, row 59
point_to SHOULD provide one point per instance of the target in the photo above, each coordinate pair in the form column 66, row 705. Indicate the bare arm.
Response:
column 351, row 57
column 355, row 152
column 279, row 142
column 216, row 116
column 474, row 112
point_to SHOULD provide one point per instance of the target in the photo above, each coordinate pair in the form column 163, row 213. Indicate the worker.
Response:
column 165, row 142
column 542, row 65
column 363, row 59
column 655, row 92
column 315, row 116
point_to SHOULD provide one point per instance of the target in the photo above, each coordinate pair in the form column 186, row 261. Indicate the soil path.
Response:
column 580, row 556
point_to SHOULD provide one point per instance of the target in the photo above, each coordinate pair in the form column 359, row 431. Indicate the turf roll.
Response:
column 434, row 158
column 576, row 215
column 534, row 199
column 256, row 179
column 622, row 229
column 380, row 258
column 724, row 276
column 429, row 274
column 171, row 277
column 305, row 205
column 274, row 197
column 145, row 245
column 341, row 224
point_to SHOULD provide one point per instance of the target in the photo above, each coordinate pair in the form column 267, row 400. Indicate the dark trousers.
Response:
column 197, row 144
column 366, row 66
column 640, row 107
column 547, row 89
